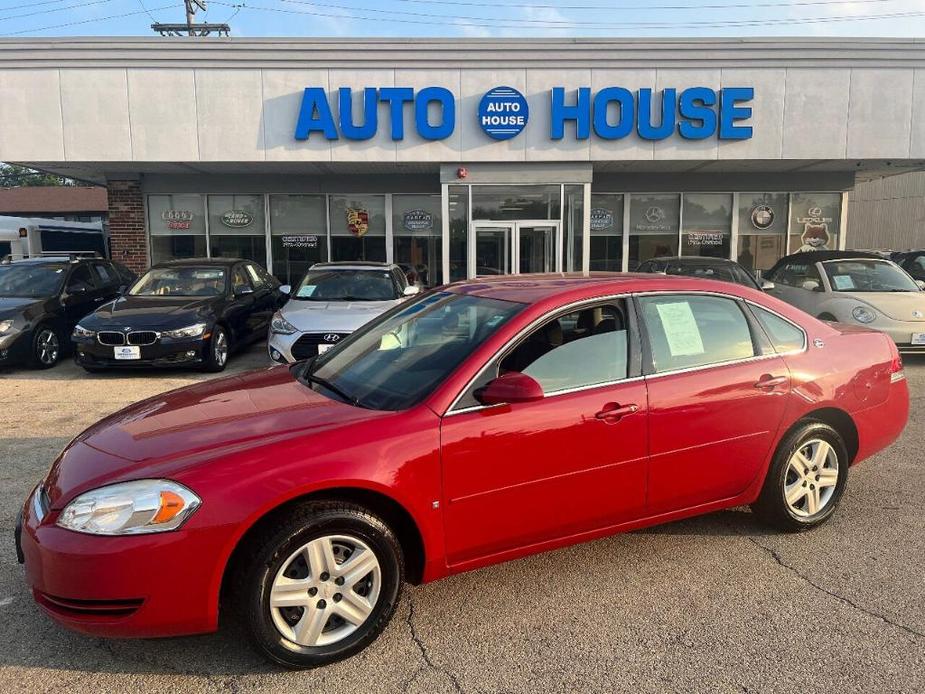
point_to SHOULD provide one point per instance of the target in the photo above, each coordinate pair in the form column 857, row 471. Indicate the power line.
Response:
column 56, row 9
column 633, row 8
column 150, row 16
column 437, row 19
column 86, row 21
column 30, row 4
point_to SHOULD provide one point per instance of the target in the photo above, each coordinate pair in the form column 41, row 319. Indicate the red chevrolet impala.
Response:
column 478, row 423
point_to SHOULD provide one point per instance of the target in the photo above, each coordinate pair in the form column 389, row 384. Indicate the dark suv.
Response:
column 43, row 298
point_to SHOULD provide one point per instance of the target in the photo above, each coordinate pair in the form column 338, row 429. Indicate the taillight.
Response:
column 896, row 364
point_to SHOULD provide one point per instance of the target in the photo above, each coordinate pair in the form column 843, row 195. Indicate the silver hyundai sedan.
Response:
column 330, row 302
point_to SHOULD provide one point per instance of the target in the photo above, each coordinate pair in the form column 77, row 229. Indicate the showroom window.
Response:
column 237, row 227
column 177, row 225
column 606, row 232
column 762, row 230
column 706, row 224
column 814, row 221
column 357, row 225
column 458, row 204
column 653, row 227
column 573, row 245
column 506, row 202
column 417, row 237
column 298, row 235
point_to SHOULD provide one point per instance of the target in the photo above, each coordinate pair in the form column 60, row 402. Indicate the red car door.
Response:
column 717, row 396
column 519, row 474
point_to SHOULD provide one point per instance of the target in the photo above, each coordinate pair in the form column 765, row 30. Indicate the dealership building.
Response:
column 457, row 158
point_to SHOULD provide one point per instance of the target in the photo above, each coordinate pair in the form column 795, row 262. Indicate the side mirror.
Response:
column 411, row 290
column 285, row 289
column 510, row 388
column 921, row 284
column 766, row 286
column 811, row 286
column 77, row 290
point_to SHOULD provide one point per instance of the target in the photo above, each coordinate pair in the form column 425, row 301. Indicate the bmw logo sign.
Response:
column 503, row 113
column 762, row 217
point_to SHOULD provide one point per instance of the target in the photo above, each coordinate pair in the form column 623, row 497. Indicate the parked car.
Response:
column 182, row 313
column 42, row 298
column 705, row 268
column 331, row 301
column 912, row 262
column 486, row 421
column 856, row 288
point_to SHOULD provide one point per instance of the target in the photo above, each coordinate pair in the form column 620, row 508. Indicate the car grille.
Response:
column 114, row 339
column 307, row 345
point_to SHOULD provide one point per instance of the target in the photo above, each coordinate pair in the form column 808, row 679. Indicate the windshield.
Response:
column 181, row 281
column 862, row 275
column 397, row 360
column 31, row 280
column 347, row 285
column 718, row 271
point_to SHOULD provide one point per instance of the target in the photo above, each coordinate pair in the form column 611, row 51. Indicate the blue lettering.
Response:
column 644, row 126
column 580, row 112
column 314, row 100
column 396, row 97
column 729, row 113
column 367, row 130
column 695, row 105
column 624, row 125
column 447, row 123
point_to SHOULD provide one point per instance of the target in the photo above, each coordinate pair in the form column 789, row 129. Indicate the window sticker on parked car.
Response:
column 207, row 274
column 843, row 282
column 306, row 290
column 680, row 328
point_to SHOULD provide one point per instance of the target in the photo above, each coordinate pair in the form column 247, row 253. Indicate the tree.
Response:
column 13, row 176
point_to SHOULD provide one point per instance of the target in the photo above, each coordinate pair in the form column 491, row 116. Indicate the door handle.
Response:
column 769, row 381
column 612, row 411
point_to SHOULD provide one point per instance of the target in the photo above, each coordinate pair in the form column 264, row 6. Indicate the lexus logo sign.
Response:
column 331, row 337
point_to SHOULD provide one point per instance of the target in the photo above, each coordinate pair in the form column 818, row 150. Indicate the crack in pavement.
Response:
column 841, row 598
column 425, row 656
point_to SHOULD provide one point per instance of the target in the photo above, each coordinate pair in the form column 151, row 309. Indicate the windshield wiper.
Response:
column 325, row 383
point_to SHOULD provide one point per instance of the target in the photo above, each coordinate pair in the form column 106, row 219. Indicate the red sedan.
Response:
column 478, row 423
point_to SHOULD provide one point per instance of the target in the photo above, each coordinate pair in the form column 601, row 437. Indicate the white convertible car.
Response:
column 854, row 287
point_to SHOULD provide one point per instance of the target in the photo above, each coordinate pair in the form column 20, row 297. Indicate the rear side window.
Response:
column 687, row 331
column 106, row 276
column 794, row 274
column 784, row 335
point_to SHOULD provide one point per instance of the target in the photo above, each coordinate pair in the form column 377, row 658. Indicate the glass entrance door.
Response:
column 536, row 246
column 492, row 249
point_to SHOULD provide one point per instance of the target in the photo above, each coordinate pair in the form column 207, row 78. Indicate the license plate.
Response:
column 324, row 348
column 918, row 338
column 127, row 352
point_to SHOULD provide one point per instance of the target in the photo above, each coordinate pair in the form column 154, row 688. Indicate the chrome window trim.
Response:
column 533, row 324
column 805, row 346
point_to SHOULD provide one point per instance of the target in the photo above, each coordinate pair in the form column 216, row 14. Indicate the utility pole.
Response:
column 191, row 28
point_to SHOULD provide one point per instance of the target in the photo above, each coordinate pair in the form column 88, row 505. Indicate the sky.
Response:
column 359, row 19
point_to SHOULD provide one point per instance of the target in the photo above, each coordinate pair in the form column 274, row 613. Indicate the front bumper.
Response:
column 14, row 348
column 163, row 584
column 286, row 349
column 164, row 352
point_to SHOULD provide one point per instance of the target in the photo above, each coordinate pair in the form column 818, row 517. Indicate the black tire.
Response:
column 772, row 508
column 219, row 340
column 271, row 551
column 39, row 356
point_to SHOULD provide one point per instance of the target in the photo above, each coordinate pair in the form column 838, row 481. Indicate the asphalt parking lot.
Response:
column 712, row 604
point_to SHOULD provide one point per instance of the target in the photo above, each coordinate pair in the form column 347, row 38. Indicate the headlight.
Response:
column 863, row 315
column 80, row 331
column 5, row 325
column 189, row 331
column 130, row 508
column 281, row 326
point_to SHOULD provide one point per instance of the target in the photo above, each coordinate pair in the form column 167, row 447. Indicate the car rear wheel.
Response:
column 219, row 349
column 322, row 586
column 46, row 347
column 806, row 479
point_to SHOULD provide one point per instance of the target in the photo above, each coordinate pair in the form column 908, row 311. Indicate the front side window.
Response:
column 31, row 279
column 398, row 359
column 241, row 283
column 784, row 335
column 80, row 280
column 185, row 281
column 687, row 330
column 862, row 275
column 347, row 285
column 797, row 274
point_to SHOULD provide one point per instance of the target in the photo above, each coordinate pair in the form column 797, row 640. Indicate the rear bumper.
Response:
column 123, row 587
column 881, row 425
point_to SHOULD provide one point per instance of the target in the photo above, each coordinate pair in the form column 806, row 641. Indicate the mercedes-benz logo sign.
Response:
column 331, row 337
column 654, row 215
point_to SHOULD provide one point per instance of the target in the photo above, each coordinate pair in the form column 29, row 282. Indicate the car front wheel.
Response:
column 322, row 586
column 46, row 347
column 806, row 479
column 219, row 349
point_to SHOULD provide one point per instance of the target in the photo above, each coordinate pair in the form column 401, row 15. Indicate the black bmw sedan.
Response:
column 192, row 312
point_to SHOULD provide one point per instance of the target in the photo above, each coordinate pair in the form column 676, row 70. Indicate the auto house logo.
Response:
column 332, row 337
column 503, row 113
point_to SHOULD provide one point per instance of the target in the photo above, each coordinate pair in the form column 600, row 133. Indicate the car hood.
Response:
column 169, row 433
column 337, row 316
column 896, row 305
column 149, row 312
column 12, row 306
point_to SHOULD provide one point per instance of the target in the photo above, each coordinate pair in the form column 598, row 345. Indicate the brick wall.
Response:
column 127, row 224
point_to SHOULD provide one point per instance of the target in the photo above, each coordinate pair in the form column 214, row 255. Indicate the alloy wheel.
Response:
column 811, row 478
column 47, row 347
column 220, row 347
column 325, row 590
